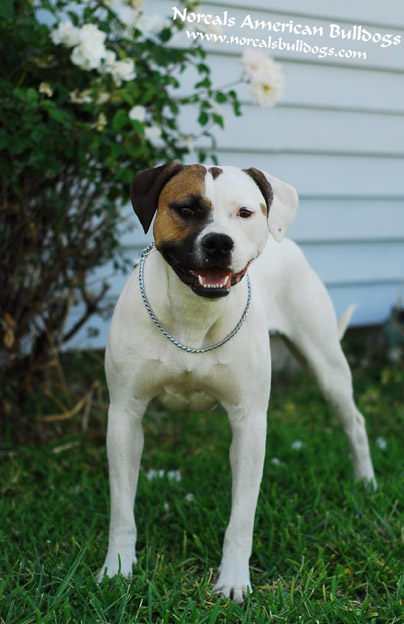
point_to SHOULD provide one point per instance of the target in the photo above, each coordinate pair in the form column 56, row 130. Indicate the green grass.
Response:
column 325, row 549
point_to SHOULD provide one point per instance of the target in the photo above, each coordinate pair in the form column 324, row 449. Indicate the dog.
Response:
column 191, row 329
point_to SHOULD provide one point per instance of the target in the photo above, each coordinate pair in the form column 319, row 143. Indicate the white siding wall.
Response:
column 337, row 136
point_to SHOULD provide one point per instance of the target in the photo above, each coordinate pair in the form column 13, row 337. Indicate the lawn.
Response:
column 325, row 549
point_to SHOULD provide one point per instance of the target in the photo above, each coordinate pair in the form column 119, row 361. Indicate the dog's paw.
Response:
column 233, row 586
column 368, row 479
column 117, row 565
column 371, row 484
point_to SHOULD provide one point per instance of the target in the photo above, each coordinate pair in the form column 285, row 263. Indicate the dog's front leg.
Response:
column 124, row 446
column 247, row 454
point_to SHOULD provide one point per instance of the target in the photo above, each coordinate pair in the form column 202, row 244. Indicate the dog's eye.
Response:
column 185, row 211
column 244, row 213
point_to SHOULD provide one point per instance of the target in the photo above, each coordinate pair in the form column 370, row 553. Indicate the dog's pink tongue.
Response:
column 215, row 277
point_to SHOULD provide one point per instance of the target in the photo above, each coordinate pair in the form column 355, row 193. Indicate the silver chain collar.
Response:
column 143, row 256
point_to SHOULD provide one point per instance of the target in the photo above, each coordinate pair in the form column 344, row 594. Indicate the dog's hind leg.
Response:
column 312, row 330
column 331, row 370
column 124, row 446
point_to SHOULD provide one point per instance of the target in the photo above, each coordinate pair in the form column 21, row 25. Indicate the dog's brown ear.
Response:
column 263, row 185
column 145, row 189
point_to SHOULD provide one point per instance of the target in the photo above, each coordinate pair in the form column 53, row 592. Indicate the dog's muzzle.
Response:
column 208, row 273
column 211, row 282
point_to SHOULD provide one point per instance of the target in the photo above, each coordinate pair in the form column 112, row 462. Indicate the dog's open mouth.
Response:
column 211, row 282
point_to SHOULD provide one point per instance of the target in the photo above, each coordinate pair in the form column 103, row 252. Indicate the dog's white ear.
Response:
column 280, row 198
column 283, row 207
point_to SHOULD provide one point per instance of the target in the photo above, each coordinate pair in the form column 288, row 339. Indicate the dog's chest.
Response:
column 187, row 391
column 183, row 388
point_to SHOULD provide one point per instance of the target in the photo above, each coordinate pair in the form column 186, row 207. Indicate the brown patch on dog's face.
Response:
column 182, row 207
column 264, row 209
column 215, row 171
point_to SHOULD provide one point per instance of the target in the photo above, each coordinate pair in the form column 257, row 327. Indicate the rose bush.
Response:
column 88, row 100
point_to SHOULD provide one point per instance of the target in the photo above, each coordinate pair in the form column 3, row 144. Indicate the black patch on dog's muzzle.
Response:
column 212, row 277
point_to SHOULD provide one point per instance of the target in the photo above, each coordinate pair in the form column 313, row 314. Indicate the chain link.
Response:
column 143, row 256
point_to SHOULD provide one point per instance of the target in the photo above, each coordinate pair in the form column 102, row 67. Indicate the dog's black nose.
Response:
column 217, row 245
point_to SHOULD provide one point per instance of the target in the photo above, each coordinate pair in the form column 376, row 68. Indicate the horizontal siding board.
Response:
column 306, row 130
column 346, row 88
column 389, row 13
column 355, row 220
column 374, row 303
column 367, row 262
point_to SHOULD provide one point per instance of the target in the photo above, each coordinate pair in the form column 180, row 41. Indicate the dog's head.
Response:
column 211, row 223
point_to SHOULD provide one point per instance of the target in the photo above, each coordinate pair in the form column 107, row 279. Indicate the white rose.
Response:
column 253, row 60
column 109, row 61
column 137, row 113
column 100, row 123
column 153, row 132
column 102, row 98
column 265, row 77
column 86, row 58
column 45, row 88
column 83, row 97
column 66, row 34
column 122, row 70
column 264, row 95
column 271, row 73
column 90, row 50
column 90, row 33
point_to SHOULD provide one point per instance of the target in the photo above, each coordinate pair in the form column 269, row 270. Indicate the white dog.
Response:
column 191, row 332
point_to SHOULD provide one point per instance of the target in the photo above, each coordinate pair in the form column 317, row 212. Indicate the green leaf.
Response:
column 6, row 9
column 203, row 118
column 203, row 84
column 137, row 126
column 218, row 119
column 220, row 97
column 20, row 94
column 202, row 68
column 119, row 120
column 37, row 135
column 57, row 114
column 32, row 95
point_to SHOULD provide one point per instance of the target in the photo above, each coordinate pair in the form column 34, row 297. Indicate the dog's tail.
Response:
column 344, row 319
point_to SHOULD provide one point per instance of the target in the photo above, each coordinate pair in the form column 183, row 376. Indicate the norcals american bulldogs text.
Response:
column 334, row 31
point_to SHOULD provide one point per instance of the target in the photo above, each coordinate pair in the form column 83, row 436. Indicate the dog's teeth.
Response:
column 223, row 284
